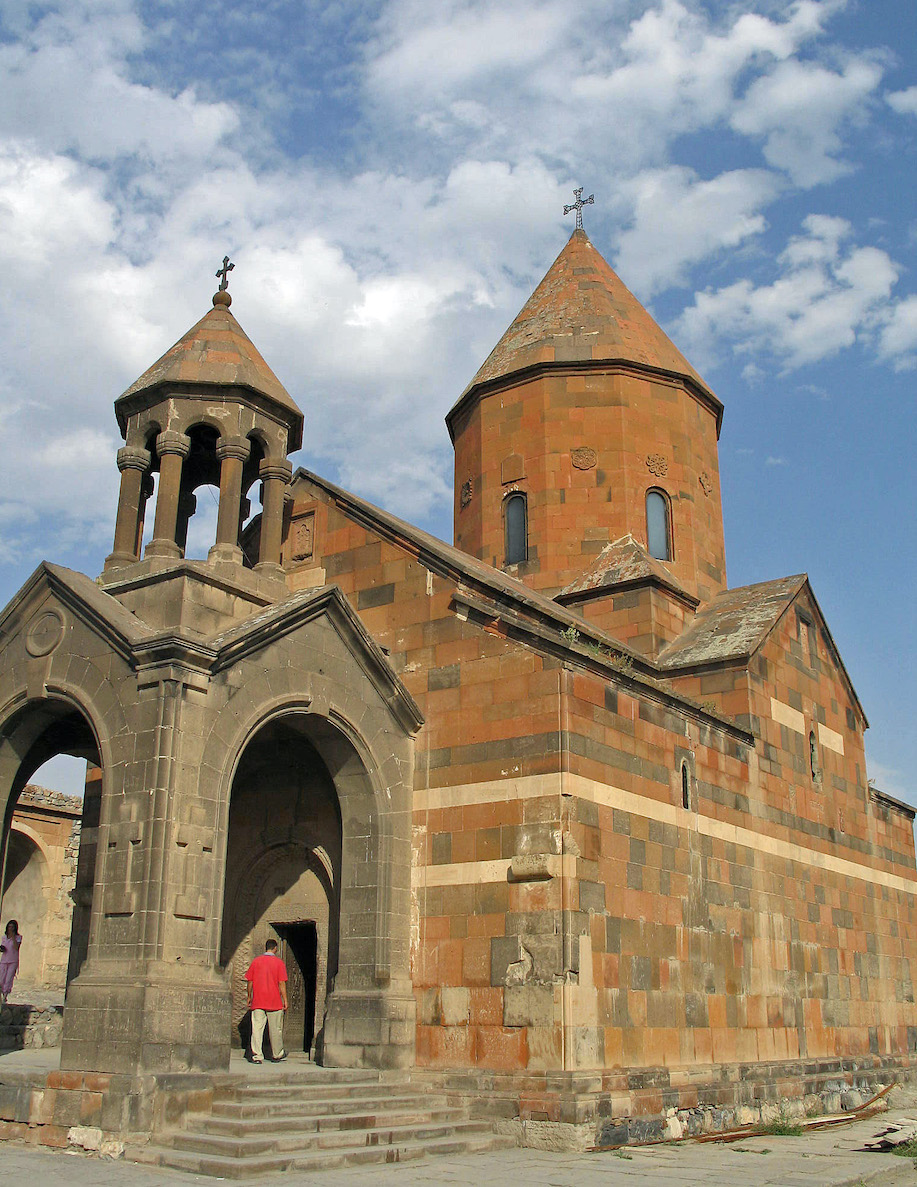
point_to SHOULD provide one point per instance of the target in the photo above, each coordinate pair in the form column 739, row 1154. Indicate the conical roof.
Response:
column 215, row 352
column 582, row 312
column 623, row 562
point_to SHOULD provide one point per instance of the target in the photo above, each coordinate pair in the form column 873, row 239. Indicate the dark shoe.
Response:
column 280, row 1058
column 255, row 1059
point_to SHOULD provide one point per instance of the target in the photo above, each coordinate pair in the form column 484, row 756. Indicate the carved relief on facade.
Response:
column 657, row 464
column 706, row 484
column 583, row 458
column 303, row 537
column 45, row 633
column 466, row 493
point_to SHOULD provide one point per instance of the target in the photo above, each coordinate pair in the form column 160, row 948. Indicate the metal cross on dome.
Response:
column 578, row 206
column 224, row 272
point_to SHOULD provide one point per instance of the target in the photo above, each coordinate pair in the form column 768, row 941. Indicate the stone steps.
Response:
column 257, row 1165
column 308, row 1122
column 316, row 1107
column 401, row 1111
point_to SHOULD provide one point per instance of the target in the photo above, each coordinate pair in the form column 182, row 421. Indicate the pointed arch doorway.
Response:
column 283, row 874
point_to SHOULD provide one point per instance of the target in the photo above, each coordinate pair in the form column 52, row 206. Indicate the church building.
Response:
column 550, row 813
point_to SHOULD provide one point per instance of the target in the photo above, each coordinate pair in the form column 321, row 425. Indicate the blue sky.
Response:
column 389, row 179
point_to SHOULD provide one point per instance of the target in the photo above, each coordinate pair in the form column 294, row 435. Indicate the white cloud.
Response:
column 679, row 219
column 904, row 102
column 799, row 110
column 898, row 338
column 375, row 283
column 65, row 80
column 775, row 461
column 608, row 86
column 828, row 294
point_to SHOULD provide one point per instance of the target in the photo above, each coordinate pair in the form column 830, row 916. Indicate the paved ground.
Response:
column 825, row 1158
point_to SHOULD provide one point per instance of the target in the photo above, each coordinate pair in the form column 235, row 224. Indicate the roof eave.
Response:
column 135, row 400
column 477, row 390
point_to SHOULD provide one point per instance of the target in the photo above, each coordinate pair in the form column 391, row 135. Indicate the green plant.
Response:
column 622, row 1154
column 623, row 663
column 783, row 1126
column 571, row 634
column 907, row 1149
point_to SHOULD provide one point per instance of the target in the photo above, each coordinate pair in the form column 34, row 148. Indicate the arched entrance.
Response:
column 25, row 899
column 35, row 733
column 283, row 873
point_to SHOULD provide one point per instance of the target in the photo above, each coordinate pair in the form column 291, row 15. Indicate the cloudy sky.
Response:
column 389, row 178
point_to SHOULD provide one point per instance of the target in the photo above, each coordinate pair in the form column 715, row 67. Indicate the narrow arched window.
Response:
column 814, row 765
column 685, row 786
column 658, row 526
column 515, row 516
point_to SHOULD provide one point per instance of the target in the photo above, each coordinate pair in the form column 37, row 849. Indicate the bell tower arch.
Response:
column 209, row 412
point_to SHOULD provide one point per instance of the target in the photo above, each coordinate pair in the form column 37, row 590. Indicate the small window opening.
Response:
column 658, row 526
column 814, row 766
column 685, row 786
column 515, row 515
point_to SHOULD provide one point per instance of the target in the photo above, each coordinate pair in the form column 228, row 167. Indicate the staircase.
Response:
column 318, row 1119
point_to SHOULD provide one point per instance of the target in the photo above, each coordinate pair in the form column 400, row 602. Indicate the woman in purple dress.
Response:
column 9, row 959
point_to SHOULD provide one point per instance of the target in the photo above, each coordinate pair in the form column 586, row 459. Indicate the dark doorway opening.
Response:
column 299, row 951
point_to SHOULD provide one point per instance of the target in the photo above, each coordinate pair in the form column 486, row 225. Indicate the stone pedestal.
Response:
column 126, row 1020
column 369, row 1028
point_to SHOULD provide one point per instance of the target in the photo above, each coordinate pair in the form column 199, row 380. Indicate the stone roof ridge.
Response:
column 736, row 623
column 732, row 624
column 585, row 640
column 582, row 312
column 624, row 561
column 216, row 351
column 272, row 622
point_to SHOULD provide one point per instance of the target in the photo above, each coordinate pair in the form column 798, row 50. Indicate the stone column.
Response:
column 274, row 477
column 187, row 505
column 133, row 464
column 172, row 449
column 232, row 454
column 145, row 491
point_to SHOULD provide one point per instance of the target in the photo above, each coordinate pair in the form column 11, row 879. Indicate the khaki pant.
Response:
column 274, row 1020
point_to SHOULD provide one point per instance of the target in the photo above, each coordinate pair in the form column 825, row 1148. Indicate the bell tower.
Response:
column 210, row 411
column 586, row 427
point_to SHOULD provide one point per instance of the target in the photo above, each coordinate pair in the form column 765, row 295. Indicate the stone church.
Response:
column 551, row 809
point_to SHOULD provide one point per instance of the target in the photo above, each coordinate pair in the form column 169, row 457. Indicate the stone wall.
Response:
column 40, row 880
column 569, row 910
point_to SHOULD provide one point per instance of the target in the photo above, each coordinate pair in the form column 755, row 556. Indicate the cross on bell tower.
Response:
column 578, row 206
column 223, row 273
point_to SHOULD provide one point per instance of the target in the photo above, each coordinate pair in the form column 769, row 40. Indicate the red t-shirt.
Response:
column 265, row 973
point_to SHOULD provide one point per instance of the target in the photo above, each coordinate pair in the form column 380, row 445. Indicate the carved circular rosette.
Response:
column 657, row 464
column 45, row 633
column 583, row 457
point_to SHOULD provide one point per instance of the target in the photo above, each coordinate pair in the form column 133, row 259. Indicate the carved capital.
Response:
column 275, row 470
column 132, row 458
column 237, row 447
column 171, row 442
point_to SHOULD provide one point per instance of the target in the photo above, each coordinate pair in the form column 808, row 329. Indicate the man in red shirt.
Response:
column 267, row 1000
